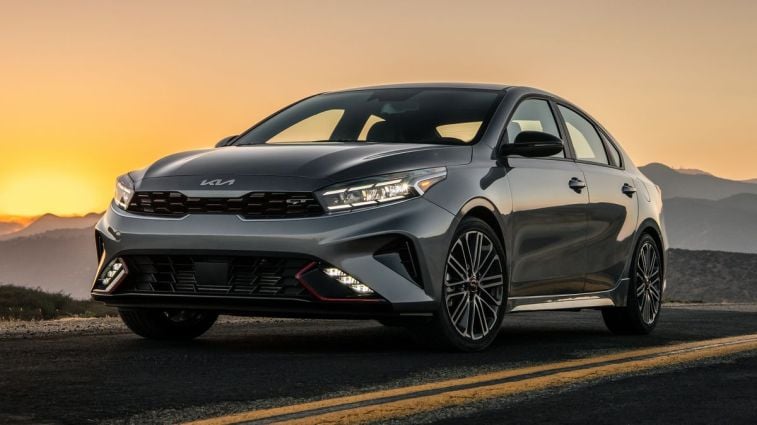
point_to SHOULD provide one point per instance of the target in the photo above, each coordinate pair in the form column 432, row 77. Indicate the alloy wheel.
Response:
column 474, row 285
column 648, row 282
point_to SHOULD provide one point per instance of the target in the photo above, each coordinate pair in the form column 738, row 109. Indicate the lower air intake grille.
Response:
column 251, row 205
column 214, row 275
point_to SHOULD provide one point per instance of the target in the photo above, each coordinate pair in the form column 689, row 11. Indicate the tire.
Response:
column 644, row 300
column 168, row 325
column 473, row 293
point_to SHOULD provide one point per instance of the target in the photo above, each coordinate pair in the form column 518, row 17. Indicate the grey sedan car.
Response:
column 438, row 207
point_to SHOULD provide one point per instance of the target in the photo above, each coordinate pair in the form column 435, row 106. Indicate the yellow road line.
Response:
column 453, row 398
column 484, row 388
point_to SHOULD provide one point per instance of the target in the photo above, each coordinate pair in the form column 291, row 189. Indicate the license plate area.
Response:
column 212, row 273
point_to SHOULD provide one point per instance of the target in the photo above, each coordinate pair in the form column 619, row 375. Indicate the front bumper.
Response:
column 348, row 241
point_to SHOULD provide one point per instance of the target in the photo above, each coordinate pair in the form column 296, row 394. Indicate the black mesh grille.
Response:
column 252, row 205
column 241, row 276
column 401, row 253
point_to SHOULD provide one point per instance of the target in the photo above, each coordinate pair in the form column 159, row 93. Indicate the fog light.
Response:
column 348, row 280
column 113, row 274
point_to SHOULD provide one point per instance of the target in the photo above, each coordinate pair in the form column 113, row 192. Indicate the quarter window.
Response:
column 533, row 115
column 613, row 150
column 586, row 141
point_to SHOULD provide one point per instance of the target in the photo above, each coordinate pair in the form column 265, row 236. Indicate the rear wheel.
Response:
column 168, row 324
column 642, row 310
column 474, row 291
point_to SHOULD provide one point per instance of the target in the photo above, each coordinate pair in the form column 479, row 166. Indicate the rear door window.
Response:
column 586, row 141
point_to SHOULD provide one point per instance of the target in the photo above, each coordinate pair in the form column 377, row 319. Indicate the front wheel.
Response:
column 474, row 291
column 168, row 324
column 644, row 300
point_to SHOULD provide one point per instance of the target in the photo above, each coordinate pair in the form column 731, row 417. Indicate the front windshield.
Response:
column 401, row 115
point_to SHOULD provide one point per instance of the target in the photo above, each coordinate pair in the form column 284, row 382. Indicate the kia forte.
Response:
column 437, row 207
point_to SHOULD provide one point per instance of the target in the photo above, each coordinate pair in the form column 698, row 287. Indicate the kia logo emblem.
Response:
column 217, row 182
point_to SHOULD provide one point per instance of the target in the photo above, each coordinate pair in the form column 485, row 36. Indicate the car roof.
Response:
column 462, row 86
column 469, row 86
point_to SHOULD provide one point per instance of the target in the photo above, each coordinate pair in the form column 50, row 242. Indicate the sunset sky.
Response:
column 90, row 90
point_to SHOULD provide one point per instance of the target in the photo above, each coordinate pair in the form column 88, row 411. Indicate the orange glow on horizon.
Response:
column 90, row 90
column 22, row 221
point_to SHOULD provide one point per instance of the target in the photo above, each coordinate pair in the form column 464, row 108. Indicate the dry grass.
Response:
column 17, row 303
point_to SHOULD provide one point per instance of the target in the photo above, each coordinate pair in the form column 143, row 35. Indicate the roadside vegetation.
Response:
column 18, row 303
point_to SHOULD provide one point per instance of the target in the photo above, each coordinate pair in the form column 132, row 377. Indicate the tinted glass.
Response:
column 533, row 115
column 407, row 115
column 585, row 139
column 316, row 127
column 614, row 152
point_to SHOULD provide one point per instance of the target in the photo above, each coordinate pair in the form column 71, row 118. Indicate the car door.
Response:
column 548, row 222
column 612, row 210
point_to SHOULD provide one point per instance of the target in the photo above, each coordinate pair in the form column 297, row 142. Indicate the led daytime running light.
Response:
column 347, row 280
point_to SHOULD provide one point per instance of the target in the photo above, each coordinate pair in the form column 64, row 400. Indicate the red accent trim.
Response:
column 318, row 296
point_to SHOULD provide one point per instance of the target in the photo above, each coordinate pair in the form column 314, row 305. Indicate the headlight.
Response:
column 380, row 190
column 124, row 191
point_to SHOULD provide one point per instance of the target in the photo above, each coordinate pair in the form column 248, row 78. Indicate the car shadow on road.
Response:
column 523, row 336
column 337, row 336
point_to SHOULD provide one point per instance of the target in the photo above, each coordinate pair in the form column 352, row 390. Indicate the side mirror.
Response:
column 225, row 141
column 532, row 144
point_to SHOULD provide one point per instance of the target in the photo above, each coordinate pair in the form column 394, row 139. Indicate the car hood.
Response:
column 321, row 161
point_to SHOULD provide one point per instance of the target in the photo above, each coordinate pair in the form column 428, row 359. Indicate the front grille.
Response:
column 240, row 276
column 251, row 205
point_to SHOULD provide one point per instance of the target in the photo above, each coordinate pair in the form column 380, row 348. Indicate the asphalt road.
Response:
column 107, row 375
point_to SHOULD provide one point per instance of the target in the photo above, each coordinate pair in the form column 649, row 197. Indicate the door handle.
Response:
column 576, row 184
column 628, row 189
